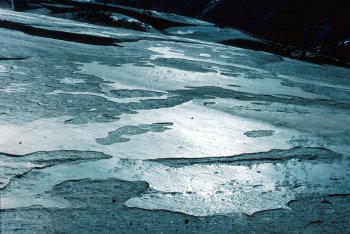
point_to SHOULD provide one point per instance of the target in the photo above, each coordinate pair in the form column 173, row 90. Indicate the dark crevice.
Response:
column 156, row 22
column 21, row 175
column 272, row 156
column 206, row 92
column 45, row 159
column 255, row 45
column 284, row 50
column 59, row 35
column 14, row 58
column 339, row 195
column 54, row 152
column 252, row 216
column 313, row 222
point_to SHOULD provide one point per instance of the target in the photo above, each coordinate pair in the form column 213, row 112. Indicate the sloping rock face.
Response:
column 158, row 133
column 321, row 26
column 180, row 7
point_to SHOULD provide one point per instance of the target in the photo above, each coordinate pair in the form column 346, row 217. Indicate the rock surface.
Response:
column 157, row 133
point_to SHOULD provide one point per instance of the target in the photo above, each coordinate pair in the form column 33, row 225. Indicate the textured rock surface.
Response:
column 165, row 134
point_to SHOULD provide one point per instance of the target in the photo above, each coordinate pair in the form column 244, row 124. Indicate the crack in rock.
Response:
column 60, row 35
column 17, row 166
column 272, row 156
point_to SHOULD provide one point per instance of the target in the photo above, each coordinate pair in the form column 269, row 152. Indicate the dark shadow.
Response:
column 255, row 45
column 156, row 22
column 60, row 35
column 13, row 58
column 286, row 51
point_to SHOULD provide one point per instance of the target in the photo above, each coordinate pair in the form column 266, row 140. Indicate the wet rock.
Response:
column 273, row 156
column 17, row 166
column 88, row 86
column 120, row 135
column 259, row 133
column 90, row 197
column 124, row 93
